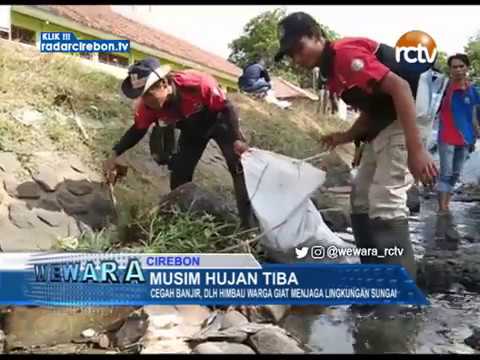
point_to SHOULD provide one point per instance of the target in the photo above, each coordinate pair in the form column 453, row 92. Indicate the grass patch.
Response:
column 172, row 231
column 183, row 232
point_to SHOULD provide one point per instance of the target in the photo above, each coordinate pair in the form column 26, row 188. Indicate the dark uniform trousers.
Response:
column 196, row 132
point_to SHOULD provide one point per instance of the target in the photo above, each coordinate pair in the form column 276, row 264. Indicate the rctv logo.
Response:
column 417, row 49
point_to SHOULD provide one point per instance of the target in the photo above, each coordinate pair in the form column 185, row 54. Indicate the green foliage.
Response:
column 473, row 51
column 260, row 39
column 175, row 231
column 442, row 62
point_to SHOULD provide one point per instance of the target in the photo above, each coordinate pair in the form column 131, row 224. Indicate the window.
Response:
column 4, row 35
column 113, row 59
column 23, row 35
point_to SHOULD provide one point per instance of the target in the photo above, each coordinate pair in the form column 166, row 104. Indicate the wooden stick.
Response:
column 77, row 119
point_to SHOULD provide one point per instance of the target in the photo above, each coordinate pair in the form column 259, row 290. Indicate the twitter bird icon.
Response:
column 301, row 253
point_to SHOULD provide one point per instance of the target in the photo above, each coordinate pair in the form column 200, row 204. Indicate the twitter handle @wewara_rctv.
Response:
column 334, row 252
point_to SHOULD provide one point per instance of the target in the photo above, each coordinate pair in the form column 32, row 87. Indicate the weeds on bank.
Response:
column 174, row 231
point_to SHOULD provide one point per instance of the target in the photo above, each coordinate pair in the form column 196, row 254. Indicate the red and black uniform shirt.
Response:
column 354, row 67
column 195, row 92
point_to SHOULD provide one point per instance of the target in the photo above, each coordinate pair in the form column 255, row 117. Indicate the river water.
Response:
column 440, row 327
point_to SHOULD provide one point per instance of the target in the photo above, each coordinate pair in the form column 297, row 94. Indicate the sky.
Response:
column 213, row 27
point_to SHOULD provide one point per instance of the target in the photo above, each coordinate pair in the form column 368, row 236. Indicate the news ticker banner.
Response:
column 68, row 42
column 121, row 279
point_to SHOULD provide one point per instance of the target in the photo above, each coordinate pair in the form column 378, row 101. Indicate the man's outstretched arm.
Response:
column 420, row 162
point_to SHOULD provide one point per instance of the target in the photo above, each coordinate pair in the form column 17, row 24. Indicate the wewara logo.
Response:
column 417, row 50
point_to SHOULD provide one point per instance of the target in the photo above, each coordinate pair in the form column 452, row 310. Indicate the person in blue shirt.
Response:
column 457, row 131
column 255, row 78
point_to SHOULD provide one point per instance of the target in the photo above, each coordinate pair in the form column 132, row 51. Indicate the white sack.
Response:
column 279, row 188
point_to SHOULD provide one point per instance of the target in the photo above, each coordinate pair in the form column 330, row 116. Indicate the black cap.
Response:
column 142, row 75
column 292, row 28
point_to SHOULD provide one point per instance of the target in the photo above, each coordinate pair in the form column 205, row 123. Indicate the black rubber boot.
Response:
column 390, row 234
column 383, row 234
column 362, row 235
column 363, row 239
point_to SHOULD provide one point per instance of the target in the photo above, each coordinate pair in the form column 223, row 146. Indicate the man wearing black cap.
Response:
column 193, row 102
column 366, row 76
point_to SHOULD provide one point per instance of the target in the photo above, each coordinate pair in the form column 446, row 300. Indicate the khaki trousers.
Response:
column 383, row 179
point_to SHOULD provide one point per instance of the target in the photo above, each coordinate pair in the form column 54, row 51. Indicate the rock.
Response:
column 100, row 211
column 15, row 239
column 71, row 204
column 88, row 333
column 2, row 342
column 181, row 331
column 79, row 188
column 267, row 313
column 326, row 200
column 28, row 117
column 345, row 190
column 11, row 185
column 474, row 340
column 193, row 314
column 446, row 229
column 234, row 335
column 337, row 165
column 222, row 348
column 413, row 199
column 233, row 318
column 452, row 235
column 9, row 163
column 49, row 204
column 26, row 326
column 174, row 321
column 21, row 216
column 338, row 177
column 47, row 178
column 439, row 270
column 26, row 190
column 132, row 330
column 213, row 323
column 472, row 238
column 336, row 219
column 162, row 316
column 166, row 346
column 52, row 218
column 466, row 198
column 104, row 341
column 192, row 197
column 274, row 341
column 237, row 333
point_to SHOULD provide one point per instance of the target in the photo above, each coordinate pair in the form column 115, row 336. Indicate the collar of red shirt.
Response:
column 460, row 86
column 325, row 62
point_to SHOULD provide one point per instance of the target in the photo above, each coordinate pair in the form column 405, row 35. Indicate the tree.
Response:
column 473, row 51
column 442, row 62
column 260, row 39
